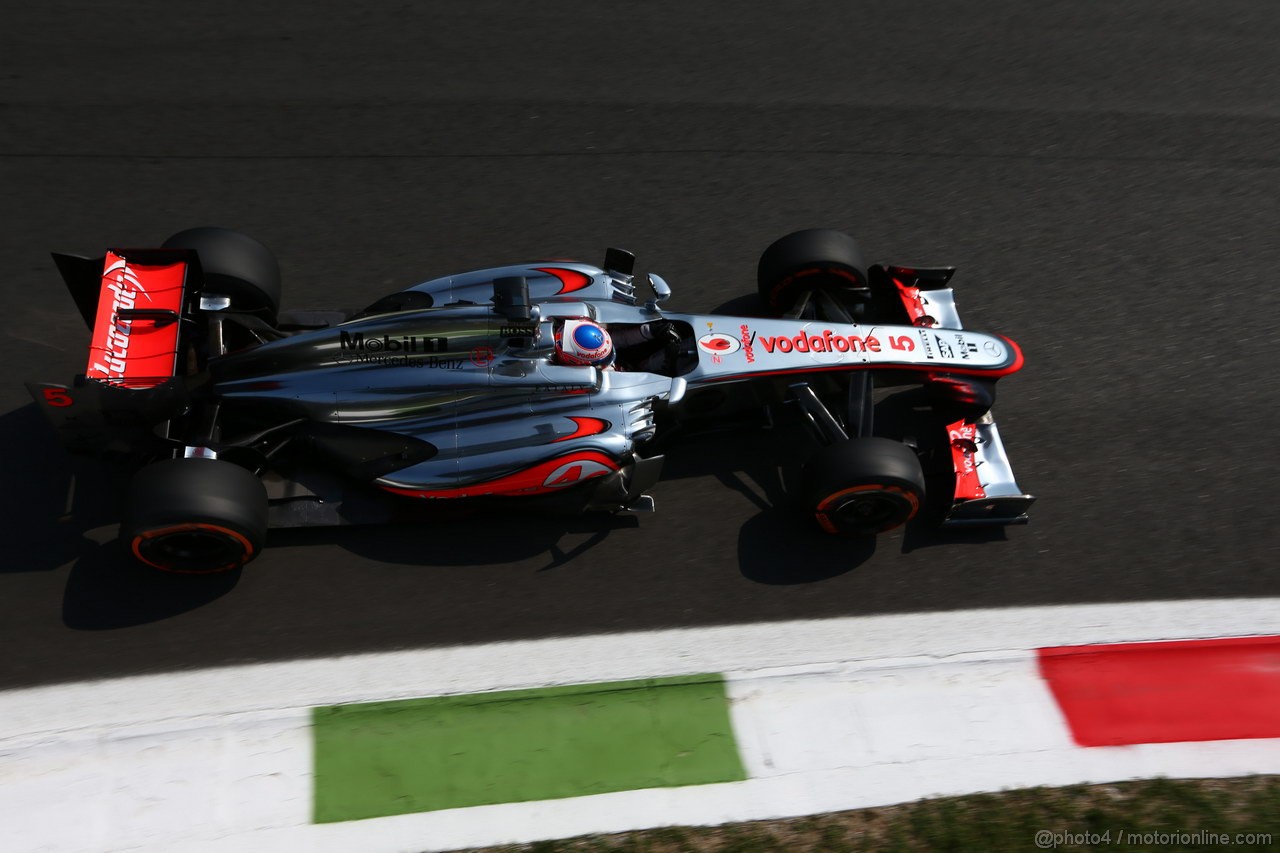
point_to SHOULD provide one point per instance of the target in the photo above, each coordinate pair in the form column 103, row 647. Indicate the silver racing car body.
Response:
column 450, row 389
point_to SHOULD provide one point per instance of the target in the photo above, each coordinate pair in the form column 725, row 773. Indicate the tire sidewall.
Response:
column 205, row 500
column 867, row 470
column 813, row 258
column 235, row 265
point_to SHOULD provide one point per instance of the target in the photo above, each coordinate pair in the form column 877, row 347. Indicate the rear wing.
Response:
column 135, row 304
column 138, row 304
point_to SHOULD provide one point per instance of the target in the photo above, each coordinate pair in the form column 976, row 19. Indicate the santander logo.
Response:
column 123, row 285
column 125, row 277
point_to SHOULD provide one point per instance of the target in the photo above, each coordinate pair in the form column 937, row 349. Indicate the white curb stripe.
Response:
column 148, row 785
column 826, row 720
column 756, row 799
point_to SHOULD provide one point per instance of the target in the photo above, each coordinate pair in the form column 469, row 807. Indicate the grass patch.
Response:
column 1004, row 821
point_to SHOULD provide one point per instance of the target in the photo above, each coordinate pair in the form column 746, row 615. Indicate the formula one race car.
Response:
column 243, row 417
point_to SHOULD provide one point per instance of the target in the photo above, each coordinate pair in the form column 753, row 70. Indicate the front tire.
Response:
column 195, row 516
column 863, row 486
column 815, row 258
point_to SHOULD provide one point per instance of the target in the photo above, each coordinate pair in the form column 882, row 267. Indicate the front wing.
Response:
column 985, row 490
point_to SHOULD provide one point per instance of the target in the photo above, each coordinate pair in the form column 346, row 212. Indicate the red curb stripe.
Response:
column 1184, row 690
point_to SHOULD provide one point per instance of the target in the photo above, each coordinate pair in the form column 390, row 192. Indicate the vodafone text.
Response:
column 748, row 337
column 829, row 341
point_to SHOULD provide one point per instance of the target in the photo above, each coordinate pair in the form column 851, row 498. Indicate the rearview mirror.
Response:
column 661, row 290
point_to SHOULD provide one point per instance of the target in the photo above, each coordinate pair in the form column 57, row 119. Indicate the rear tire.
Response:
column 863, row 486
column 817, row 257
column 195, row 516
column 235, row 265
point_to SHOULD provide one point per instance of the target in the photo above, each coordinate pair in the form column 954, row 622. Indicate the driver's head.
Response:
column 585, row 343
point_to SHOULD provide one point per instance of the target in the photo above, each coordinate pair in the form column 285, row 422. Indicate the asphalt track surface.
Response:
column 1105, row 176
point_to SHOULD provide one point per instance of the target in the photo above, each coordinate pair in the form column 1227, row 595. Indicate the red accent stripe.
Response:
column 584, row 427
column 1018, row 360
column 570, row 280
column 528, row 481
column 1186, row 690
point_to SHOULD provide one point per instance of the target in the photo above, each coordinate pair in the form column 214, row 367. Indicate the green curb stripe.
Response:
column 386, row 758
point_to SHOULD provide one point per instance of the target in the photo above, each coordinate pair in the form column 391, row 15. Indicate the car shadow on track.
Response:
column 780, row 544
column 54, row 498
column 107, row 589
column 782, row 549
column 68, row 507
column 463, row 537
column 63, row 509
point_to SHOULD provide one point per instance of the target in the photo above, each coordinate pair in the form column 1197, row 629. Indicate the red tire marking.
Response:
column 829, row 500
column 245, row 545
column 1185, row 690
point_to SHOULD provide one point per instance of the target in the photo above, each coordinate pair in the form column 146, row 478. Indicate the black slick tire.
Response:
column 863, row 486
column 817, row 257
column 235, row 265
column 195, row 516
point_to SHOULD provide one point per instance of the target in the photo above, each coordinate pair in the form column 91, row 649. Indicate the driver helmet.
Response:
column 582, row 342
